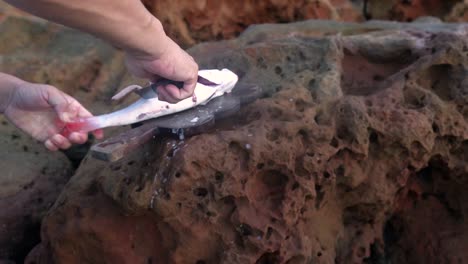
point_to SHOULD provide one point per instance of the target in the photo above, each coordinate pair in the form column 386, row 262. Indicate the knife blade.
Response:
column 150, row 91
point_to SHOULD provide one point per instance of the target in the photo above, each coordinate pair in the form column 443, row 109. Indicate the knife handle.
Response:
column 164, row 82
column 180, row 85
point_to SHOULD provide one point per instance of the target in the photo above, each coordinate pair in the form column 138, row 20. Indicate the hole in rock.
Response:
column 304, row 136
column 295, row 186
column 361, row 252
column 269, row 188
column 320, row 195
column 435, row 128
column 443, row 80
column 340, row 171
column 245, row 230
column 219, row 176
column 360, row 76
column 320, row 118
column 361, row 213
column 373, row 137
column 201, row 192
column 278, row 70
column 300, row 105
column 334, row 142
column 269, row 258
column 415, row 98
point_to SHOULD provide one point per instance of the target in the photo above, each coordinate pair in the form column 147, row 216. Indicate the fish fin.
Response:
column 126, row 91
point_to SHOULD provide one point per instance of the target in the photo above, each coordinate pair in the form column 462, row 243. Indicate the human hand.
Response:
column 173, row 63
column 42, row 111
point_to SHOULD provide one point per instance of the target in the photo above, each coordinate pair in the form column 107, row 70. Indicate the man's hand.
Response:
column 128, row 25
column 173, row 64
column 41, row 111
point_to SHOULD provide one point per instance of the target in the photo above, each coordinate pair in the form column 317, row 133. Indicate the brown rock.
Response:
column 359, row 140
column 32, row 177
column 409, row 10
column 195, row 21
column 459, row 13
column 30, row 181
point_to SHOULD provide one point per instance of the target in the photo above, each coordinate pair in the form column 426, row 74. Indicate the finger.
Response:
column 163, row 95
column 99, row 134
column 50, row 146
column 174, row 92
column 76, row 110
column 78, row 138
column 54, row 97
column 70, row 109
column 83, row 112
column 189, row 88
column 60, row 102
column 60, row 141
column 66, row 111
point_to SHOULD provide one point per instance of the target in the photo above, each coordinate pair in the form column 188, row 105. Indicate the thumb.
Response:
column 60, row 102
column 66, row 110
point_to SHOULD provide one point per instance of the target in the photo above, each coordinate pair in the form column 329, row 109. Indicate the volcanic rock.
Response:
column 355, row 153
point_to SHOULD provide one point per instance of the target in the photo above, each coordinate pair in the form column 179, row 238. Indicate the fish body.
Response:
column 221, row 82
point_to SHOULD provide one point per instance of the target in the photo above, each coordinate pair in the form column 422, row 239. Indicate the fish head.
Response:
column 222, row 80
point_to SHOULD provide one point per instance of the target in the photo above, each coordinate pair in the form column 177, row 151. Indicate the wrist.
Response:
column 8, row 86
column 151, row 42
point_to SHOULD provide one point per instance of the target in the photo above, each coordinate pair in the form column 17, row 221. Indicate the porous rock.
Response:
column 199, row 20
column 356, row 153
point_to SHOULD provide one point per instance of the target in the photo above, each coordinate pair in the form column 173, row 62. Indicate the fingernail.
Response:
column 57, row 140
column 77, row 138
column 65, row 117
column 50, row 146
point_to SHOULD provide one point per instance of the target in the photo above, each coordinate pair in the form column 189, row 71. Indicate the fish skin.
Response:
column 144, row 109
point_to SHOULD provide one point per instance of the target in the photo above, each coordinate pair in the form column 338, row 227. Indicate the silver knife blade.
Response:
column 150, row 92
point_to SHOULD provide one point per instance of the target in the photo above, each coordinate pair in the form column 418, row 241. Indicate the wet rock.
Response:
column 355, row 153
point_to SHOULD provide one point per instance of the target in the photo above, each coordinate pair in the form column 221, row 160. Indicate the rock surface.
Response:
column 30, row 181
column 200, row 20
column 449, row 10
column 357, row 153
column 299, row 184
column 193, row 21
column 31, row 177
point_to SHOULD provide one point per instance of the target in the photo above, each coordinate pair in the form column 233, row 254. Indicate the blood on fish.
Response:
column 81, row 125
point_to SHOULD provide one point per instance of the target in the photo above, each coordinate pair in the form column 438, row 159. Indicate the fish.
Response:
column 211, row 84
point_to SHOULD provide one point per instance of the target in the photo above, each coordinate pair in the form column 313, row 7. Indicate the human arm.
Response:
column 128, row 25
column 41, row 111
